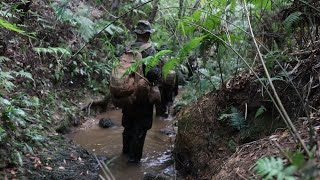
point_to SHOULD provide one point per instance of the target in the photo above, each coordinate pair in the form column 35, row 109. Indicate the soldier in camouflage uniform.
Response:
column 137, row 118
column 168, row 90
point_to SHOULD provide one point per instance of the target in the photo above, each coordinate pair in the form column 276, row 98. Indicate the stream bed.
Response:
column 108, row 142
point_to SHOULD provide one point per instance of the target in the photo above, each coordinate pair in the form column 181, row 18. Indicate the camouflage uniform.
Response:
column 137, row 118
column 168, row 93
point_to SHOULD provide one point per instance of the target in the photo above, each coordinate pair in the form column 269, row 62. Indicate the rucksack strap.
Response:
column 145, row 46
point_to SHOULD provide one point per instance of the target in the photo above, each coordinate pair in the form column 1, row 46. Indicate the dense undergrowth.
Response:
column 57, row 52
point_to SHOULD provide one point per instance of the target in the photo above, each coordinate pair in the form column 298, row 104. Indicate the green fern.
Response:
column 23, row 74
column 236, row 119
column 80, row 19
column 56, row 51
column 291, row 19
column 271, row 168
column 5, row 81
column 4, row 59
column 7, row 77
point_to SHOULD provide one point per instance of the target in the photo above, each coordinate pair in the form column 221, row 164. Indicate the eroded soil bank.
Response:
column 205, row 145
column 60, row 159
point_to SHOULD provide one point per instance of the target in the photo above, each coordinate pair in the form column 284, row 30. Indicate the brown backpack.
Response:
column 123, row 89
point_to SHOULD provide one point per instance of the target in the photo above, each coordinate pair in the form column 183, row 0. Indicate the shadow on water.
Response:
column 108, row 142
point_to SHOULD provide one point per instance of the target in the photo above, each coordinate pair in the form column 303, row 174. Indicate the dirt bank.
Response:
column 60, row 159
column 204, row 143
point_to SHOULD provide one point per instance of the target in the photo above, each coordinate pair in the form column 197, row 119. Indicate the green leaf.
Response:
column 292, row 19
column 188, row 47
column 196, row 16
column 169, row 65
column 153, row 61
column 260, row 111
column 11, row 27
column 211, row 21
column 298, row 159
column 24, row 74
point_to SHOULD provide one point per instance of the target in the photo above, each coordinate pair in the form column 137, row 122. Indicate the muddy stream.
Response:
column 108, row 142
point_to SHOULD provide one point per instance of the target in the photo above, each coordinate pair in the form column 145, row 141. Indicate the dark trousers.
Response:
column 133, row 141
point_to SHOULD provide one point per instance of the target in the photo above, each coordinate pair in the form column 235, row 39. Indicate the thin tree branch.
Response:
column 287, row 118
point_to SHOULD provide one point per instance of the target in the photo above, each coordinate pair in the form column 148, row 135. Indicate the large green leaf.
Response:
column 188, row 47
column 169, row 65
column 13, row 27
column 152, row 61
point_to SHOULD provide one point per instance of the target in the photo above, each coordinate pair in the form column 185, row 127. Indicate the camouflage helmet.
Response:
column 143, row 27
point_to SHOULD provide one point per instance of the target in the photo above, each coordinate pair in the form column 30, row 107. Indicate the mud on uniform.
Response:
column 137, row 118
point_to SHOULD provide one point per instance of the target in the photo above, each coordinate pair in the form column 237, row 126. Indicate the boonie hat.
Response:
column 143, row 27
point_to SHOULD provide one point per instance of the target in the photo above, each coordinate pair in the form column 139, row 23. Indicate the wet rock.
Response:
column 106, row 123
column 168, row 131
column 155, row 176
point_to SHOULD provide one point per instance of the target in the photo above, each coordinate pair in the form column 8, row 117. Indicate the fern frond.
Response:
column 23, row 74
column 4, row 59
column 270, row 168
column 56, row 51
column 235, row 117
column 237, row 120
column 292, row 19
column 85, row 27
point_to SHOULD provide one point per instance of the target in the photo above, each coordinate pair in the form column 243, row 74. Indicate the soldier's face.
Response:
column 144, row 36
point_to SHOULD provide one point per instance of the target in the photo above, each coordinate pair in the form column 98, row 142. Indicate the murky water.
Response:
column 108, row 142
